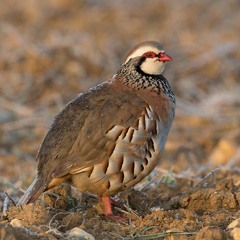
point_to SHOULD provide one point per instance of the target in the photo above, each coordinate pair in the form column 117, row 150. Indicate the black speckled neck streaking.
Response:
column 137, row 80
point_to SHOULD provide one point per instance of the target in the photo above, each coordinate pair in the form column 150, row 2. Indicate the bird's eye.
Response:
column 149, row 55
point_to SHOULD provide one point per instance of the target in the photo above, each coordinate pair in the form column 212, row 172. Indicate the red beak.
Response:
column 163, row 57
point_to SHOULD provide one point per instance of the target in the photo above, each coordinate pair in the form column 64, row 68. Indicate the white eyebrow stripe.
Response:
column 140, row 51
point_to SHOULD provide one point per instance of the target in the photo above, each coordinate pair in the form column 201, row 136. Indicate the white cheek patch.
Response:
column 152, row 66
column 140, row 51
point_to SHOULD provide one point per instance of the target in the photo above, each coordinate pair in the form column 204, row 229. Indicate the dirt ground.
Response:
column 52, row 50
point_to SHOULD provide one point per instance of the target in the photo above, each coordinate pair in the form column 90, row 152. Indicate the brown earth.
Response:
column 52, row 50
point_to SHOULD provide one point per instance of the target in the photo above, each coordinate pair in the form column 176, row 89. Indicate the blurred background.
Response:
column 50, row 51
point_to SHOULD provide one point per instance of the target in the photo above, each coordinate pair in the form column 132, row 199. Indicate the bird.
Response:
column 111, row 137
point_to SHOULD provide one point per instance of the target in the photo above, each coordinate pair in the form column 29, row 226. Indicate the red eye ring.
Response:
column 149, row 55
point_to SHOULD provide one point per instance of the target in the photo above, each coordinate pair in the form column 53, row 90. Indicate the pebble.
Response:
column 234, row 229
column 79, row 233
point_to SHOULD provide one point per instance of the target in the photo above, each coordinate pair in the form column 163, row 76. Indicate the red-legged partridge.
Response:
column 111, row 137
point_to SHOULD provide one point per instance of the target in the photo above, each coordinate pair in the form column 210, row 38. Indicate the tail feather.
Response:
column 33, row 192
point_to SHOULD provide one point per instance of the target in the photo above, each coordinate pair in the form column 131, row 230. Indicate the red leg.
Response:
column 108, row 209
column 107, row 205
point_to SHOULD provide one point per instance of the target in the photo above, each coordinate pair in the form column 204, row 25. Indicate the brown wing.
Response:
column 77, row 137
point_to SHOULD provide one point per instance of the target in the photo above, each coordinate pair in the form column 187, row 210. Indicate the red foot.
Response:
column 108, row 210
column 117, row 218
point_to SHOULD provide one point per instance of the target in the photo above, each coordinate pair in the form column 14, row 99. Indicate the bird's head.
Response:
column 148, row 57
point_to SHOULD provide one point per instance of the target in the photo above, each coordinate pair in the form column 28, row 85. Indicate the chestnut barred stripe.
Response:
column 130, row 134
column 108, row 184
column 105, row 166
column 90, row 172
column 121, row 177
column 120, row 162
column 111, row 150
column 124, row 132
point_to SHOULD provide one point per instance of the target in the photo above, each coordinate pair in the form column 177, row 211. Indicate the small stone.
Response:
column 79, row 233
column 234, row 224
column 234, row 229
column 17, row 223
